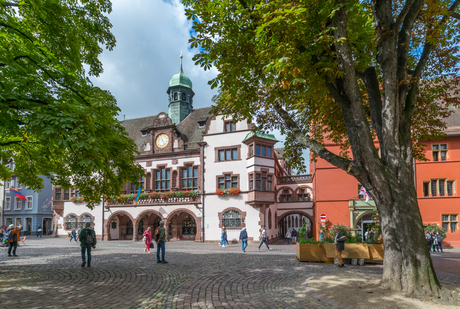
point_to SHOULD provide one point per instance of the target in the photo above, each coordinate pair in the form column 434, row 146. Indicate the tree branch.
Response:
column 375, row 99
column 455, row 15
column 316, row 147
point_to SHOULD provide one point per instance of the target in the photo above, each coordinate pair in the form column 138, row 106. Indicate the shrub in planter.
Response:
column 143, row 196
column 178, row 194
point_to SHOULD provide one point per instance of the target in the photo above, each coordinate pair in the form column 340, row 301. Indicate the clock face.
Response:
column 162, row 140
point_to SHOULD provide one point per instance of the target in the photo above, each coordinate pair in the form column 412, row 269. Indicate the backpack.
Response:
column 89, row 240
column 9, row 235
column 157, row 234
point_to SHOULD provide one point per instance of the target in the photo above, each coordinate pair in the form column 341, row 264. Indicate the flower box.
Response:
column 312, row 253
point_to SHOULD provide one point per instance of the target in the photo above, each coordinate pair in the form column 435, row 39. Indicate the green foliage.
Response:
column 54, row 121
column 430, row 227
column 303, row 231
column 143, row 196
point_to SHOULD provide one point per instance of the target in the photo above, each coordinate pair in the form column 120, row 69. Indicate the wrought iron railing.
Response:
column 294, row 179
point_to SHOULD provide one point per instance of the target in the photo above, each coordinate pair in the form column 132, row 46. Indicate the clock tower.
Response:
column 180, row 96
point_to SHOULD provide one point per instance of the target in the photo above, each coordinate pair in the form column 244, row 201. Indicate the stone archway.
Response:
column 121, row 224
column 148, row 218
column 182, row 224
column 294, row 220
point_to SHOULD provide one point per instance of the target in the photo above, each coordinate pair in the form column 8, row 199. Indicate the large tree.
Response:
column 53, row 120
column 352, row 72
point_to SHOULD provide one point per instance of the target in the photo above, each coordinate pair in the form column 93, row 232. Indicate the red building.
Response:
column 337, row 193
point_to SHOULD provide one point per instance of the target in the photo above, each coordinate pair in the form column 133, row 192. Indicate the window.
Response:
column 251, row 181
column 57, row 195
column 18, row 221
column 263, row 151
column 229, row 126
column 190, row 178
column 232, row 219
column 9, row 221
column 227, row 181
column 175, row 95
column 441, row 187
column 450, row 223
column 303, row 196
column 269, row 219
column 251, row 150
column 228, row 154
column 285, row 196
column 426, row 189
column 144, row 133
column 188, row 226
column 258, row 181
column 18, row 204
column 83, row 220
column 201, row 124
column 8, row 203
column 450, row 188
column 19, row 185
column 70, row 222
column 183, row 97
column 66, row 194
column 12, row 183
column 264, row 181
column 163, row 181
column 29, row 204
column 439, row 152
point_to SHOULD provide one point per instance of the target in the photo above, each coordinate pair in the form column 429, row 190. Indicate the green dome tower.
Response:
column 180, row 96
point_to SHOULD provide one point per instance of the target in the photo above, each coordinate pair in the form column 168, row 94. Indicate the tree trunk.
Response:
column 407, row 265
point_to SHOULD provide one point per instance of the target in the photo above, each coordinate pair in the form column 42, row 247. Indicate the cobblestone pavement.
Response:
column 47, row 274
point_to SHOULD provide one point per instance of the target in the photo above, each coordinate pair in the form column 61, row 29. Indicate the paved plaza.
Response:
column 47, row 274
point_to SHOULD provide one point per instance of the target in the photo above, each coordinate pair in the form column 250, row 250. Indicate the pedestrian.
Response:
column 147, row 239
column 244, row 239
column 339, row 245
column 439, row 239
column 429, row 240
column 12, row 237
column 366, row 235
column 288, row 236
column 39, row 231
column 78, row 233
column 160, row 234
column 264, row 238
column 222, row 237
column 294, row 235
column 225, row 237
column 73, row 235
column 88, row 240
column 434, row 241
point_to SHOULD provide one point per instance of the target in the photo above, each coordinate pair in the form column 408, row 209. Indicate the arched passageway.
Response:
column 182, row 226
column 292, row 221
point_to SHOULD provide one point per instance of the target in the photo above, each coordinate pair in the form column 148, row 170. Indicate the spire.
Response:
column 181, row 71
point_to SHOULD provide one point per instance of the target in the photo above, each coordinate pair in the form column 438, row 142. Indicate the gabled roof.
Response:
column 189, row 131
column 134, row 126
column 279, row 152
column 453, row 122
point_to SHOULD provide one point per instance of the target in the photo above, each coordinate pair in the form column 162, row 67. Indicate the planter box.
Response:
column 376, row 252
column 312, row 253
column 352, row 251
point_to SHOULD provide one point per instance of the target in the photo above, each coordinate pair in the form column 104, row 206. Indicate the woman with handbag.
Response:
column 147, row 239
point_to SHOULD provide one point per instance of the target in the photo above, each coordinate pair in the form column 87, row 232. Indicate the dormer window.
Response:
column 229, row 126
column 201, row 124
column 144, row 133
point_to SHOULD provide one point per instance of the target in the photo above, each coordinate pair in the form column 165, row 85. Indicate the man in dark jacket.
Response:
column 340, row 245
column 160, row 239
column 244, row 239
column 87, row 239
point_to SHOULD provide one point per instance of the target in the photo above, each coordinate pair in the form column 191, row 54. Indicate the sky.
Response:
column 151, row 34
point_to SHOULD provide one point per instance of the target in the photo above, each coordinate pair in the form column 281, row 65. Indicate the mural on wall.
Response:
column 47, row 203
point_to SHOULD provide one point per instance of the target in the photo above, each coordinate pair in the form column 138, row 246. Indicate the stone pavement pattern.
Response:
column 47, row 274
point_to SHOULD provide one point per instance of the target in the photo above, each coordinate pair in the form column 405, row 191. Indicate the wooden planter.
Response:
column 376, row 253
column 312, row 253
column 352, row 251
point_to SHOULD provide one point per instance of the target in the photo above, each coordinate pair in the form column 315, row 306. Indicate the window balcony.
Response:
column 296, row 179
column 155, row 201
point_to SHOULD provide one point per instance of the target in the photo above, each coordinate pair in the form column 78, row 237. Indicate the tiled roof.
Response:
column 134, row 126
column 188, row 129
column 190, row 133
column 453, row 122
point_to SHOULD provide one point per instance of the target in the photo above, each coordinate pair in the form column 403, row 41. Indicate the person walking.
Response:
column 288, row 236
column 73, row 235
column 294, row 235
column 264, row 238
column 244, row 239
column 222, row 237
column 434, row 241
column 78, row 233
column 340, row 245
column 160, row 234
column 439, row 240
column 225, row 237
column 148, row 239
column 429, row 240
column 88, row 240
column 39, row 231
column 12, row 237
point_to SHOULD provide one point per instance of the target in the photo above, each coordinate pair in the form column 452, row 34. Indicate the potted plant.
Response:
column 376, row 218
column 310, row 250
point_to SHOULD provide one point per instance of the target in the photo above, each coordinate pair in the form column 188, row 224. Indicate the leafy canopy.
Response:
column 53, row 120
column 288, row 54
